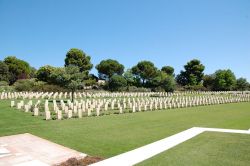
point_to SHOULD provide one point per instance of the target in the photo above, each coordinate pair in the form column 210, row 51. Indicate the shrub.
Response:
column 159, row 89
column 49, row 88
column 194, row 88
column 169, row 84
column 89, row 82
column 24, row 85
column 7, row 89
column 80, row 162
column 4, row 83
column 137, row 89
column 117, row 83
column 37, row 86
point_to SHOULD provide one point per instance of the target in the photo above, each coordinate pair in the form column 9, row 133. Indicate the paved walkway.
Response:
column 29, row 150
column 140, row 154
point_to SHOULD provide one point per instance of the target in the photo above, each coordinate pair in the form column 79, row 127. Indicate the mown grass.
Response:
column 209, row 148
column 110, row 135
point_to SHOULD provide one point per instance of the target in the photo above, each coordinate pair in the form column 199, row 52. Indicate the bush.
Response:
column 89, row 82
column 159, row 89
column 194, row 88
column 241, row 84
column 169, row 84
column 4, row 83
column 40, row 86
column 7, row 89
column 117, row 83
column 49, row 88
column 162, row 82
column 225, row 80
column 81, row 162
column 137, row 89
column 24, row 85
column 37, row 86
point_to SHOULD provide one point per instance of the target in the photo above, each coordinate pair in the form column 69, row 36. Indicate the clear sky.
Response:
column 166, row 32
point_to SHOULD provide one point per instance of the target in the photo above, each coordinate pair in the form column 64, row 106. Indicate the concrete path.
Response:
column 140, row 154
column 29, row 150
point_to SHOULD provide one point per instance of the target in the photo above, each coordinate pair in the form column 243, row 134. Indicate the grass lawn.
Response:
column 206, row 149
column 110, row 135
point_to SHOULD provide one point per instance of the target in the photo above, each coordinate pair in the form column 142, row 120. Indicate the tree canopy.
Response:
column 224, row 80
column 18, row 69
column 163, row 81
column 192, row 75
column 78, row 58
column 128, row 75
column 208, row 81
column 168, row 70
column 4, row 72
column 145, row 70
column 144, row 76
column 44, row 72
column 32, row 72
column 69, row 77
column 242, row 84
column 73, row 78
column 107, row 68
column 117, row 83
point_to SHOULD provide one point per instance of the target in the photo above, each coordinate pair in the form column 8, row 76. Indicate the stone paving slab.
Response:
column 27, row 149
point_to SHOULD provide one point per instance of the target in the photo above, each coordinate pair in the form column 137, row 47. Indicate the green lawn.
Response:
column 110, row 135
column 209, row 148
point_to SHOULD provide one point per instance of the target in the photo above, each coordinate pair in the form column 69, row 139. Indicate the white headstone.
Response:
column 59, row 114
column 120, row 111
column 79, row 113
column 36, row 111
column 12, row 103
column 47, row 115
column 70, row 114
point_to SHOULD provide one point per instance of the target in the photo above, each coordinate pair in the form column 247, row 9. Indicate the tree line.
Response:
column 143, row 76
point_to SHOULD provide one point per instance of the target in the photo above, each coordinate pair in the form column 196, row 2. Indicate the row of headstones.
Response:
column 165, row 99
column 135, row 108
column 60, row 95
column 24, row 95
column 111, row 102
column 199, row 96
column 27, row 107
column 98, row 105
column 181, row 100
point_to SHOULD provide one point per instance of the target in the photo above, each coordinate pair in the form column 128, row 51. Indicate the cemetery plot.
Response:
column 59, row 105
column 115, row 134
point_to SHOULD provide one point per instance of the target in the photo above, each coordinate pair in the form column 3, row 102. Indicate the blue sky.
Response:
column 166, row 32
